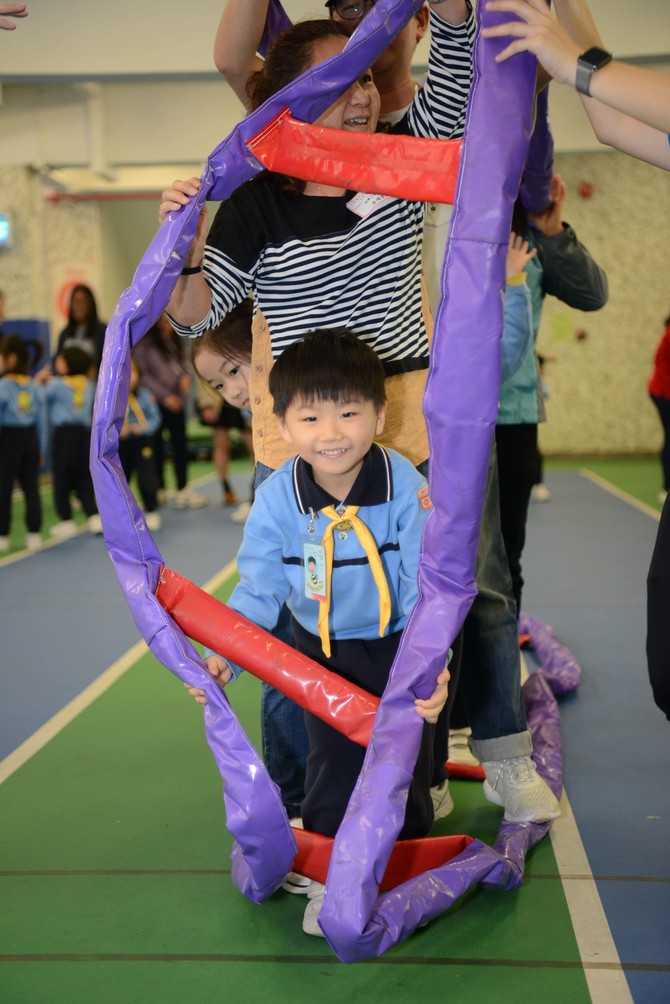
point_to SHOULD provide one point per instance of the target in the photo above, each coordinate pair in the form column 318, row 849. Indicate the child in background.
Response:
column 358, row 511
column 222, row 359
column 69, row 398
column 22, row 436
column 136, row 444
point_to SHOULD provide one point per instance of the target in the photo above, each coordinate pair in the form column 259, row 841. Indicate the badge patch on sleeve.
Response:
column 424, row 498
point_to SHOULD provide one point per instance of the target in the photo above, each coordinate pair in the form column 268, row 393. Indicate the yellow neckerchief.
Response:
column 78, row 385
column 135, row 409
column 24, row 401
column 366, row 540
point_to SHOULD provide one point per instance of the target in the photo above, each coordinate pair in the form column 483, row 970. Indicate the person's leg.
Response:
column 658, row 604
column 60, row 473
column 517, row 460
column 82, row 480
column 28, row 478
column 334, row 762
column 663, row 407
column 177, row 427
column 491, row 679
column 9, row 464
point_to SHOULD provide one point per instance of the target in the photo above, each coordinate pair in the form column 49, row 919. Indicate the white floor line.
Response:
column 109, row 676
column 607, row 985
column 619, row 493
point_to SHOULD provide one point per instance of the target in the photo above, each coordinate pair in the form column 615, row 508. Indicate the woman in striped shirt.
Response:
column 313, row 255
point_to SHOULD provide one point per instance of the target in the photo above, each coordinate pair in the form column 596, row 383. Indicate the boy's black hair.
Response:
column 331, row 364
column 77, row 360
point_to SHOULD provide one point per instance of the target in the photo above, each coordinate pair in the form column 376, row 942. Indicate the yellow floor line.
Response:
column 619, row 493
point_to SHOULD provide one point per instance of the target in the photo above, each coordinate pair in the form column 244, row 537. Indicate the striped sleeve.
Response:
column 438, row 109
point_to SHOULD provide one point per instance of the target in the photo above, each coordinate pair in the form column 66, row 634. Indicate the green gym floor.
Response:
column 114, row 877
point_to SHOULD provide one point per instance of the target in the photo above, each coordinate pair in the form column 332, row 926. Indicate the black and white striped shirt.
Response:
column 312, row 262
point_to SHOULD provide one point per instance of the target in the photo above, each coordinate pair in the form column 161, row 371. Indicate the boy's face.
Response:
column 333, row 437
column 228, row 378
column 60, row 366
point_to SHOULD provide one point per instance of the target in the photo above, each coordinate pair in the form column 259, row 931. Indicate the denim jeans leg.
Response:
column 283, row 732
column 491, row 669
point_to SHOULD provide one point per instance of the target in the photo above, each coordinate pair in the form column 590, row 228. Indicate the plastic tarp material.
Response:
column 420, row 170
column 460, row 406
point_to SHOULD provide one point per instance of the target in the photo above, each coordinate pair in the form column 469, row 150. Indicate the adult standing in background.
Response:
column 165, row 372
column 84, row 328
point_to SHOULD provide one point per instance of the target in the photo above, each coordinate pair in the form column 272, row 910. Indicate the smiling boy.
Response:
column 350, row 512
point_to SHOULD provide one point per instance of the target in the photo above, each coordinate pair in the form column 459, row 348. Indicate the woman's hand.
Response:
column 538, row 32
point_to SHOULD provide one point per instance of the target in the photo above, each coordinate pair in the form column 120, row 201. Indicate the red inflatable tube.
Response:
column 407, row 167
column 346, row 707
column 343, row 705
column 409, row 858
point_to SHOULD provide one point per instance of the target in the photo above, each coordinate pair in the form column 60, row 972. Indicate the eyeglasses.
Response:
column 350, row 10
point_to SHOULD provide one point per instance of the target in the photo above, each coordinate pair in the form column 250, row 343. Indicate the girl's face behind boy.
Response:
column 333, row 437
column 227, row 377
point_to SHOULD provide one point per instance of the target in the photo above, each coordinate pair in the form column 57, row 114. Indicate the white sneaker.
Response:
column 153, row 521
column 66, row 528
column 4, row 545
column 310, row 920
column 515, row 784
column 459, row 748
column 443, row 803
column 188, row 499
column 33, row 541
column 241, row 513
column 296, row 884
column 540, row 493
column 94, row 524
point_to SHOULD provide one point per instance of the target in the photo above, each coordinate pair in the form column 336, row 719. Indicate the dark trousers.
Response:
column 658, row 605
column 136, row 454
column 334, row 762
column 70, row 447
column 175, row 424
column 20, row 461
column 663, row 406
column 517, row 468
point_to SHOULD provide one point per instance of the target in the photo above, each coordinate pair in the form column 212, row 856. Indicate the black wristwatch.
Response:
column 587, row 64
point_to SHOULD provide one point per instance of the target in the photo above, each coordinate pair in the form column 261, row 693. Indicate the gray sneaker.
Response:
column 515, row 784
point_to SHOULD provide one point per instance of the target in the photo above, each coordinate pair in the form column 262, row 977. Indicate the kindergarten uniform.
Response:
column 136, row 450
column 284, row 559
column 22, row 442
column 70, row 406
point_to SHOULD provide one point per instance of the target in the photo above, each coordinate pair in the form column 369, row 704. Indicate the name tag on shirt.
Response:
column 363, row 205
column 314, row 559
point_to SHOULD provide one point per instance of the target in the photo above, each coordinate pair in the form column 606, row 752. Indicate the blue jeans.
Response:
column 490, row 671
column 283, row 732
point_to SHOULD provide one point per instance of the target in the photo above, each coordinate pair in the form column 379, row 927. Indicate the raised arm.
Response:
column 628, row 107
column 451, row 11
column 236, row 42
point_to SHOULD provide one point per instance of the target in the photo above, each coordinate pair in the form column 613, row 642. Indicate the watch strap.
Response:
column 587, row 64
